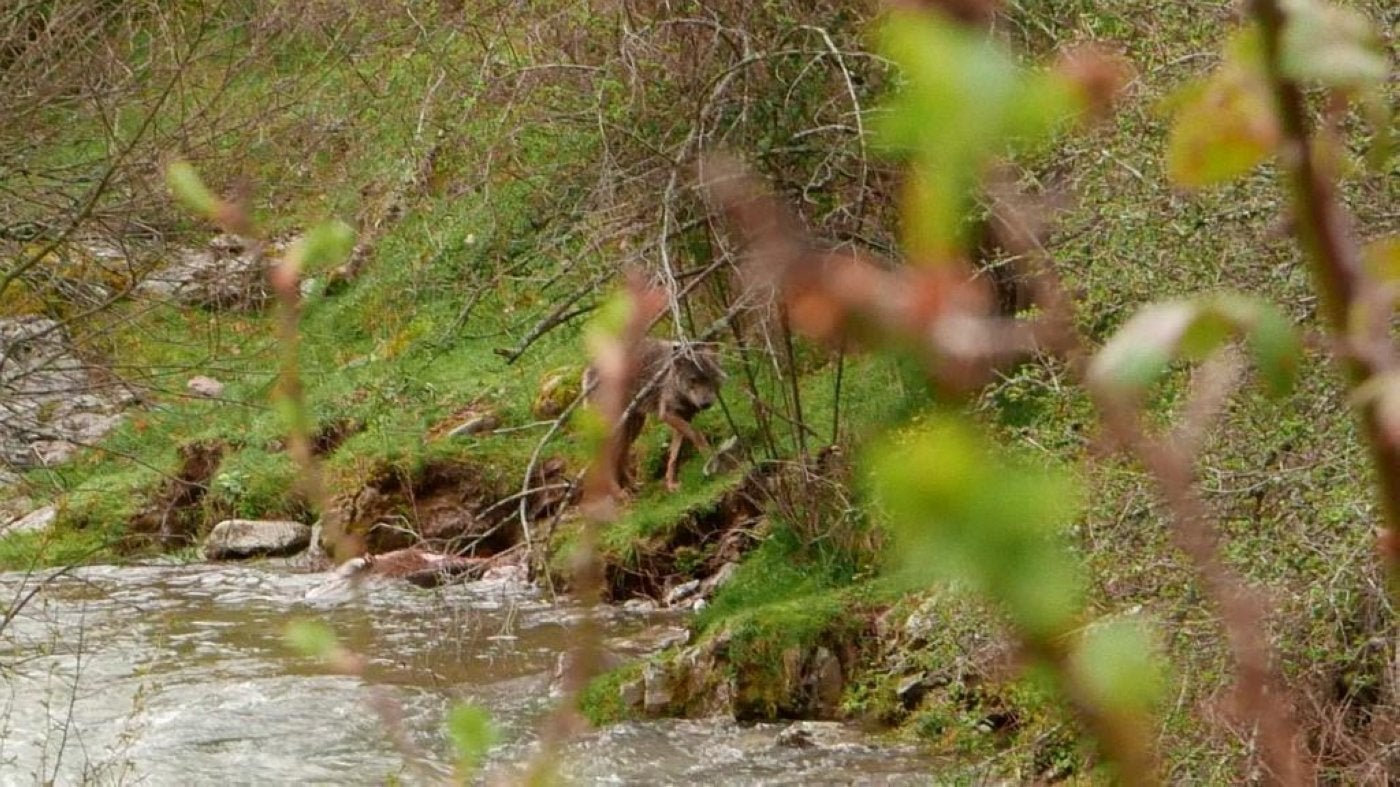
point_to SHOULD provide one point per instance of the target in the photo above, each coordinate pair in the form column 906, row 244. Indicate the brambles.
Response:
column 497, row 188
column 959, row 512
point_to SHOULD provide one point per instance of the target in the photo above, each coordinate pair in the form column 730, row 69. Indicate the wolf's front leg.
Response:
column 677, row 440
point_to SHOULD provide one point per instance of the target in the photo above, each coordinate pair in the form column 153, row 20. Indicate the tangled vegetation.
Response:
column 1030, row 533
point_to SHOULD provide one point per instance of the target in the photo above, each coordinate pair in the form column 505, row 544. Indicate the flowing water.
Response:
column 180, row 675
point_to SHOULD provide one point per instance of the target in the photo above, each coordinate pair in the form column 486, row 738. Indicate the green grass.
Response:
column 514, row 197
column 601, row 700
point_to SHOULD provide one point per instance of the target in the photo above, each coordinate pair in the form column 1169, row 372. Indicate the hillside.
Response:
column 502, row 168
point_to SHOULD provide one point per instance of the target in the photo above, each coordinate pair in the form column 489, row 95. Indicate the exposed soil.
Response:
column 448, row 507
column 695, row 547
column 173, row 515
column 331, row 435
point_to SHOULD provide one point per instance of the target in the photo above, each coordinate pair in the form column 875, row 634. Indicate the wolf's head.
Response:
column 696, row 374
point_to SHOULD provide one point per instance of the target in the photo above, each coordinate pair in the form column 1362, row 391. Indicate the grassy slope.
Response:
column 1287, row 479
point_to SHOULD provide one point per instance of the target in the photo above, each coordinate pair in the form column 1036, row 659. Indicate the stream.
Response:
column 178, row 674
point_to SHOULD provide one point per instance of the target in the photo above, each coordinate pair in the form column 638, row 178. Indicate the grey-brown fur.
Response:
column 675, row 382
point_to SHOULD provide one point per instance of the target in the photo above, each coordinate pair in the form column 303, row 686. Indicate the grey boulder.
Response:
column 236, row 539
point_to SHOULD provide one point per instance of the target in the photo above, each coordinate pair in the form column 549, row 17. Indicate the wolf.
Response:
column 675, row 382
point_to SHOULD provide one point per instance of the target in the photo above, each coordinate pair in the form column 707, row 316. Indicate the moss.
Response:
column 61, row 546
column 655, row 514
column 1288, row 479
column 601, row 700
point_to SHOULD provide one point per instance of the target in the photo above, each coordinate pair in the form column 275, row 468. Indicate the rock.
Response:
column 632, row 694
column 315, row 557
column 651, row 640
column 657, row 693
column 33, row 522
column 235, row 539
column 718, row 579
column 922, row 625
column 639, row 605
column 207, row 387
column 13, row 503
column 565, row 662
column 911, row 691
column 558, row 389
column 228, row 273
column 477, row 423
column 681, row 592
column 795, row 737
column 828, row 682
column 50, row 405
column 512, row 573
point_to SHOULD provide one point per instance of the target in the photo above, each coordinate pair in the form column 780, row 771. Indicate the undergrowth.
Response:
column 482, row 191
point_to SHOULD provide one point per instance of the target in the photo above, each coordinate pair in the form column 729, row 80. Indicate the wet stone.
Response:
column 911, row 691
column 795, row 737
column 33, row 522
column 681, row 592
column 632, row 694
column 235, row 539
column 657, row 689
column 829, row 683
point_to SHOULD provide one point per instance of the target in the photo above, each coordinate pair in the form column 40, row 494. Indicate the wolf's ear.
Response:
column 719, row 373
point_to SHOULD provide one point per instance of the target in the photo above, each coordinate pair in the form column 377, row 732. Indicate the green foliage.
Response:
column 187, row 187
column 472, row 733
column 601, row 700
column 323, row 246
column 253, row 483
column 964, row 101
column 1333, row 45
column 1139, row 354
column 1116, row 663
column 962, row 512
column 1224, row 125
column 387, row 351
column 311, row 638
column 59, row 547
column 782, row 589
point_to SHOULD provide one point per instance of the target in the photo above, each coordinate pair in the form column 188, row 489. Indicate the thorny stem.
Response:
column 782, row 254
column 285, row 286
column 1260, row 691
column 618, row 366
column 1323, row 229
column 1122, row 739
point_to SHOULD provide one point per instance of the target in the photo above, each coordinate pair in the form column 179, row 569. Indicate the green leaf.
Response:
column 310, row 638
column 590, row 428
column 963, row 100
column 326, row 245
column 1382, row 259
column 472, row 733
column 1116, row 663
column 187, row 187
column 961, row 511
column 1139, row 354
column 1332, row 45
column 611, row 317
column 1225, row 125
